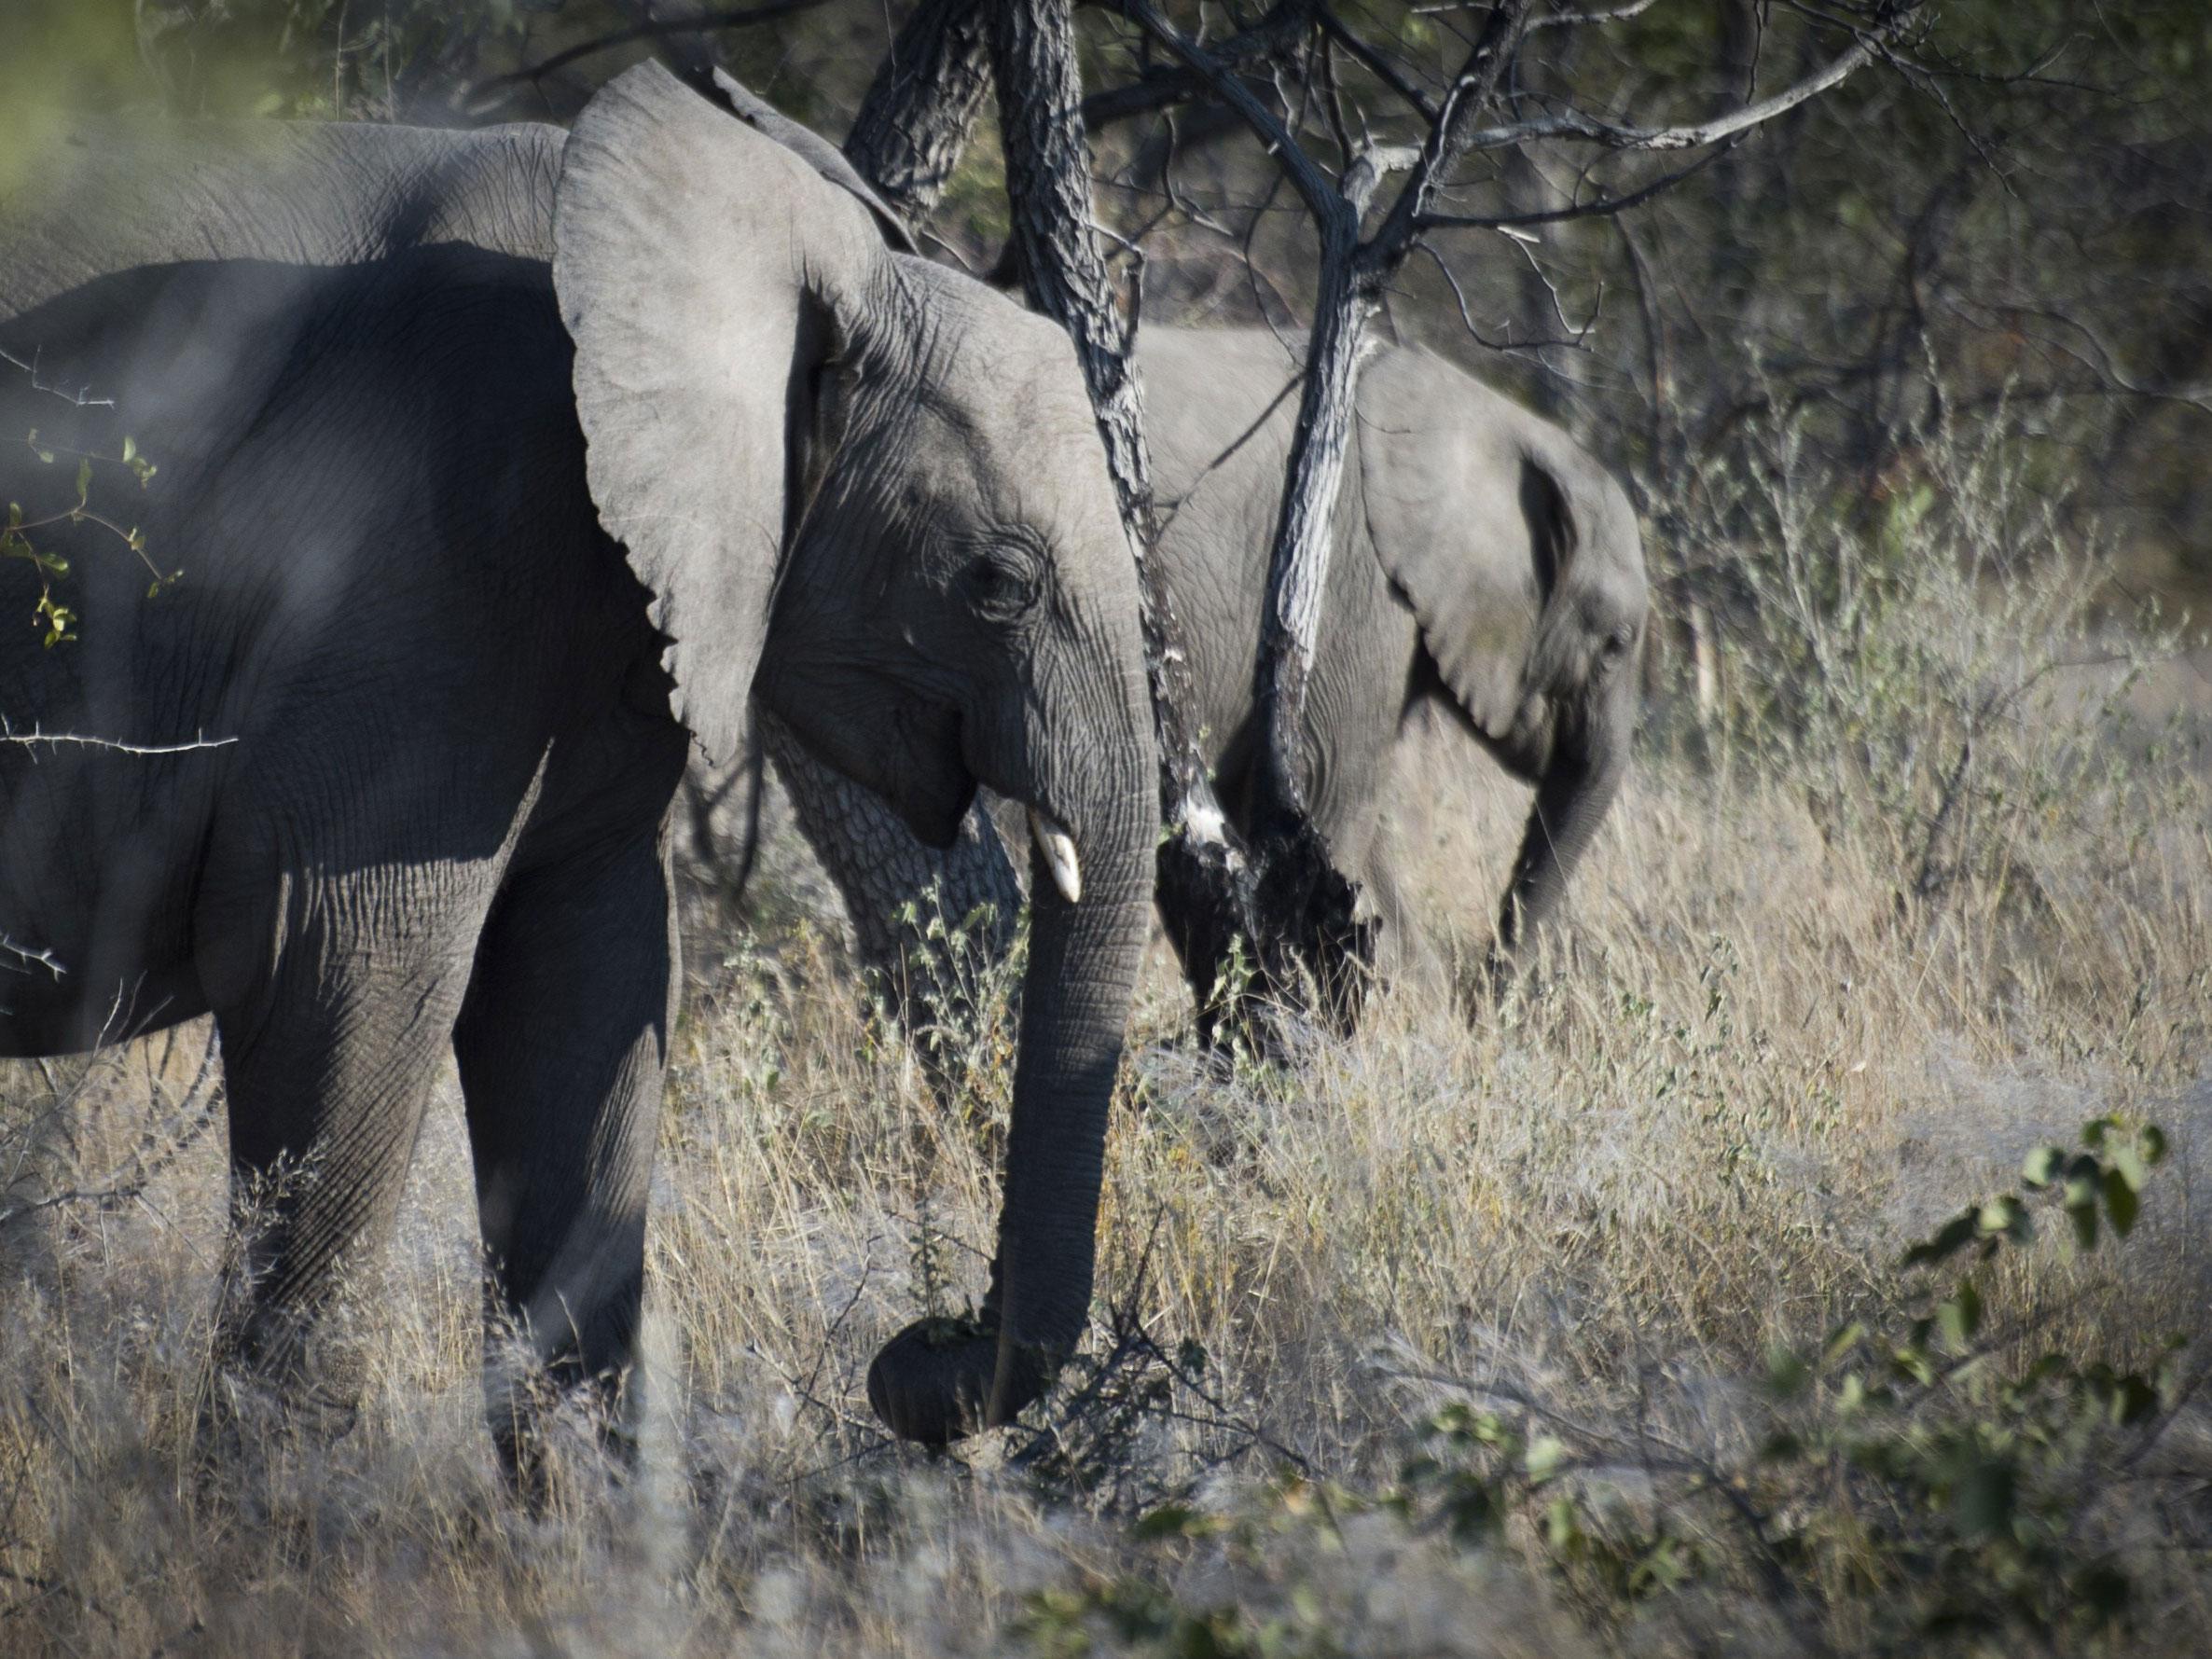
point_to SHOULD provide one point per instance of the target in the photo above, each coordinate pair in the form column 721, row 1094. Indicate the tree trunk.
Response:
column 1204, row 883
column 1304, row 903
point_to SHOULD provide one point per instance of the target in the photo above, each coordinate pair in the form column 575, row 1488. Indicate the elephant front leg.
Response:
column 561, row 1043
column 330, row 1052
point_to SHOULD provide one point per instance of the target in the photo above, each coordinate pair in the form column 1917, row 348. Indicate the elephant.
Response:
column 1486, row 566
column 501, row 469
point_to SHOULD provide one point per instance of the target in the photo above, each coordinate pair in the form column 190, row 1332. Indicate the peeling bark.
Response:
column 919, row 111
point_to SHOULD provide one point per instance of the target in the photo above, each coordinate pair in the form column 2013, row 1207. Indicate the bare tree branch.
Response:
column 651, row 28
column 1575, row 124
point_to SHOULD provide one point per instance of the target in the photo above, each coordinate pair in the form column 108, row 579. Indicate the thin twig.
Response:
column 655, row 30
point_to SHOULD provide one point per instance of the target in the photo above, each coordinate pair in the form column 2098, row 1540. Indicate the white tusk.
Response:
column 1059, row 847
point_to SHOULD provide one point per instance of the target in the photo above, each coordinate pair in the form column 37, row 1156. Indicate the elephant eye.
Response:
column 1001, row 582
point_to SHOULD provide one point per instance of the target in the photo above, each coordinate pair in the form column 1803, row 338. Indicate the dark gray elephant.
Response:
column 1486, row 565
column 501, row 469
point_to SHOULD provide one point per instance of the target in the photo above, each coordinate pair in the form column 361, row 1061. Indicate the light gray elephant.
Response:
column 406, row 392
column 1487, row 565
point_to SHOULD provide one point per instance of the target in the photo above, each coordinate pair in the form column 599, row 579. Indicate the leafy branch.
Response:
column 17, row 537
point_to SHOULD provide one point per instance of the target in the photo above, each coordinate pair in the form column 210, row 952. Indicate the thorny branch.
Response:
column 35, row 737
column 165, row 1139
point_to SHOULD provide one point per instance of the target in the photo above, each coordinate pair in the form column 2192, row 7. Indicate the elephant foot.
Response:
column 257, row 1432
column 546, row 1417
column 933, row 1382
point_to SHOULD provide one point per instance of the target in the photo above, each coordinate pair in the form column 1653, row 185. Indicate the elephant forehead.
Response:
column 1010, row 460
column 985, row 360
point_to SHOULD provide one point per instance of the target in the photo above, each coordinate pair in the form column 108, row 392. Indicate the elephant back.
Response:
column 97, row 197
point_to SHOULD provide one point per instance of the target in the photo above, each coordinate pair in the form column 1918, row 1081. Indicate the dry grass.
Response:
column 1761, row 1062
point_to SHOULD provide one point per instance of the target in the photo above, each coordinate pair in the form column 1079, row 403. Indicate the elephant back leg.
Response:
column 561, row 1042
column 1405, row 955
column 332, row 1043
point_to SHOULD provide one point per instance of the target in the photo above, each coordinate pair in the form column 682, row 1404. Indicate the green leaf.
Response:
column 1913, row 1363
column 1955, row 1234
column 2006, row 1217
column 2043, row 1166
column 2154, row 1141
column 2121, row 1202
column 1961, row 1316
column 1546, row 1453
column 1983, row 1501
column 1841, row 1341
column 1566, row 1533
column 2127, row 1162
column 2132, row 1400
column 2084, row 1175
column 2085, row 1219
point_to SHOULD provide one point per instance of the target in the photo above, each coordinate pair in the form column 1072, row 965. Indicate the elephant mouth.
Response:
column 936, row 786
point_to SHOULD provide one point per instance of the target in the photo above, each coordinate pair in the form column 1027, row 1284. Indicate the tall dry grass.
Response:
column 1928, row 887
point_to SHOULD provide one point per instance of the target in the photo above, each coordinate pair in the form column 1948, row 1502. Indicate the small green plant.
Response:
column 1929, row 1472
column 1142, row 1613
column 963, row 992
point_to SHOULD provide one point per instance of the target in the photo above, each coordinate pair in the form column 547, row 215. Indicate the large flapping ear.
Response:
column 1466, row 519
column 816, row 151
column 701, row 270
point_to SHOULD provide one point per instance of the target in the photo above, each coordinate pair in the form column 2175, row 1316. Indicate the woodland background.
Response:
column 1810, row 1258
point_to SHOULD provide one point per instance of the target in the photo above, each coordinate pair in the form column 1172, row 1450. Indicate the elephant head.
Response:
column 871, row 491
column 1531, row 604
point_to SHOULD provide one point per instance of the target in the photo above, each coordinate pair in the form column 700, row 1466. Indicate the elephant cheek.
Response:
column 1528, row 743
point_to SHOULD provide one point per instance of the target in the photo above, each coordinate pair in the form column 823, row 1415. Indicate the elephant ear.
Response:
column 706, row 275
column 1466, row 520
column 816, row 151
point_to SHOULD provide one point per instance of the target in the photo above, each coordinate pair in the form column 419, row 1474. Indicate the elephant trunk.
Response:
column 1572, row 794
column 934, row 1382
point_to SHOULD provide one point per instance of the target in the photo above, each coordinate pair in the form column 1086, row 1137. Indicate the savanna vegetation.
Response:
column 1808, row 1255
